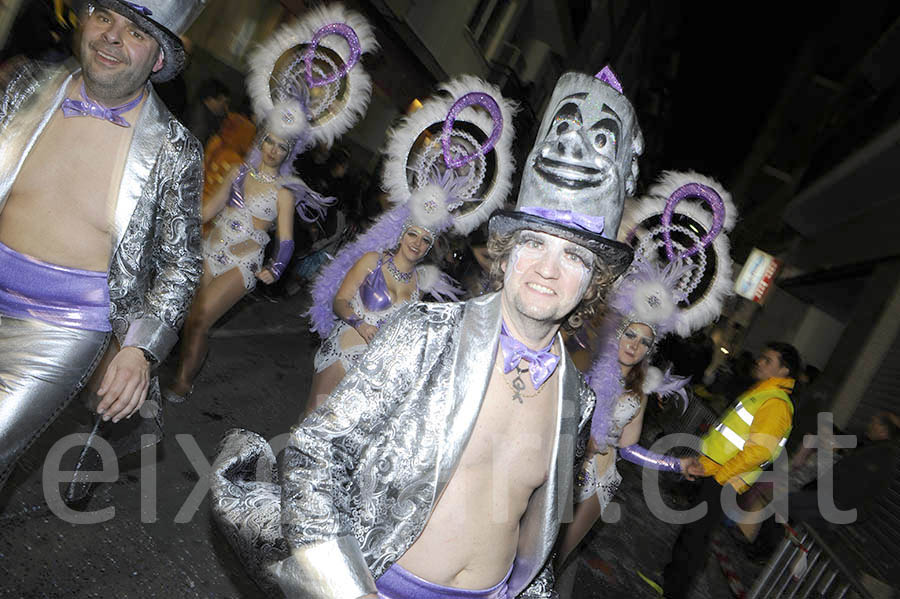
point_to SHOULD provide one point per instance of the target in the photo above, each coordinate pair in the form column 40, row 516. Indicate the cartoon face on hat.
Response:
column 586, row 151
column 582, row 166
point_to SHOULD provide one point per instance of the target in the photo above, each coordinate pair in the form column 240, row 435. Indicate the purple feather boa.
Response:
column 379, row 237
column 604, row 378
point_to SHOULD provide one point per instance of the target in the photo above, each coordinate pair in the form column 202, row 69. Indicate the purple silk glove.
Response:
column 647, row 459
column 285, row 251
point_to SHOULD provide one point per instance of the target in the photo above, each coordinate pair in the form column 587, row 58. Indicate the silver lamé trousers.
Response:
column 42, row 367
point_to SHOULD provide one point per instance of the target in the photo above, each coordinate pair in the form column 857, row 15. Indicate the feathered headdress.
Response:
column 306, row 80
column 677, row 283
column 307, row 86
column 444, row 169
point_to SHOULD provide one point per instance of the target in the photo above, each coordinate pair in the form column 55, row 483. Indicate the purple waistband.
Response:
column 69, row 297
column 397, row 583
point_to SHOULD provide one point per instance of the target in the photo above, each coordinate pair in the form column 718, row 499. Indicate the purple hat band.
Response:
column 591, row 224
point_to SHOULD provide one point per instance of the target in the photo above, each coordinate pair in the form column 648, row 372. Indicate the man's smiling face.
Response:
column 546, row 276
column 117, row 56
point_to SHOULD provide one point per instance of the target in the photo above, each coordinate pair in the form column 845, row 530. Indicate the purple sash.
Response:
column 397, row 583
column 69, row 297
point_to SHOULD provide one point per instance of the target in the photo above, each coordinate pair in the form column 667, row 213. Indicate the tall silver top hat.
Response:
column 581, row 168
column 165, row 20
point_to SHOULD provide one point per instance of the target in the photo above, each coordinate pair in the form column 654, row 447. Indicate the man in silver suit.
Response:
column 99, row 220
column 443, row 463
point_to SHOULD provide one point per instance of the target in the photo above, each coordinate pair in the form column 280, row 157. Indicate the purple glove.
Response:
column 285, row 251
column 647, row 459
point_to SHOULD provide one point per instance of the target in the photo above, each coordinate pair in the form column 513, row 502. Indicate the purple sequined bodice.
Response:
column 374, row 292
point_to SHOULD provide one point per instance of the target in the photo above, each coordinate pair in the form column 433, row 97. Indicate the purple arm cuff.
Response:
column 285, row 251
column 353, row 320
column 648, row 459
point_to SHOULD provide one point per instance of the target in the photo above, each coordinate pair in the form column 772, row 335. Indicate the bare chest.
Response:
column 73, row 172
column 515, row 432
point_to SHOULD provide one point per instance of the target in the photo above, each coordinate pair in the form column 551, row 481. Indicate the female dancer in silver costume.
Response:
column 251, row 202
column 435, row 185
column 377, row 286
column 649, row 302
column 308, row 88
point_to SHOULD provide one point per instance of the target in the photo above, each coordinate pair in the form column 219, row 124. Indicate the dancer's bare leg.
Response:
column 586, row 515
column 323, row 383
column 215, row 296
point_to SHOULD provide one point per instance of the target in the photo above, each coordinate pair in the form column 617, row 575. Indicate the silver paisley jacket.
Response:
column 156, row 261
column 362, row 474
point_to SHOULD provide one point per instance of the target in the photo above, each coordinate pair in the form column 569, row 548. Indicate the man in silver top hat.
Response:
column 99, row 220
column 442, row 464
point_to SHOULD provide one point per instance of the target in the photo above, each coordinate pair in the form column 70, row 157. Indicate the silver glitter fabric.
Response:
column 156, row 265
column 589, row 479
column 42, row 366
column 361, row 475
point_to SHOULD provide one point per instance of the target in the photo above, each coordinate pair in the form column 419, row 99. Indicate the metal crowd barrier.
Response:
column 825, row 576
column 837, row 564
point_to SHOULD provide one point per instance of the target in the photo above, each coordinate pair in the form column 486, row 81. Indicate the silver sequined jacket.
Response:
column 362, row 474
column 156, row 261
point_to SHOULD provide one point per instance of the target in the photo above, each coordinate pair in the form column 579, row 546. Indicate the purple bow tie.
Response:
column 88, row 107
column 543, row 363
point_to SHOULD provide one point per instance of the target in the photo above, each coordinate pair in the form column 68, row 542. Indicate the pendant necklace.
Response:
column 403, row 277
column 518, row 384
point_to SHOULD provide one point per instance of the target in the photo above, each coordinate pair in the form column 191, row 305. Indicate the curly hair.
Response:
column 501, row 246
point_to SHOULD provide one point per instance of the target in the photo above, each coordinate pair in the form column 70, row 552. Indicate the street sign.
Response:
column 757, row 276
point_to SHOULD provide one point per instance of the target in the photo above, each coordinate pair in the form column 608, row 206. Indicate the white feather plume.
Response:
column 707, row 308
column 428, row 207
column 287, row 119
column 434, row 110
column 653, row 378
column 652, row 302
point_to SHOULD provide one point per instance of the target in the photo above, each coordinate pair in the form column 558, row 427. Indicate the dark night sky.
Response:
column 734, row 62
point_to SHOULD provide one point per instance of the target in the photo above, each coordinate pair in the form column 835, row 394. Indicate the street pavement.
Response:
column 161, row 541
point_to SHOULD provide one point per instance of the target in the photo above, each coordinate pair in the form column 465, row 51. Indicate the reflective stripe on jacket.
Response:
column 724, row 441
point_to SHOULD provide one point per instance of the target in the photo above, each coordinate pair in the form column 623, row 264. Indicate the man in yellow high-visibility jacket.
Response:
column 750, row 434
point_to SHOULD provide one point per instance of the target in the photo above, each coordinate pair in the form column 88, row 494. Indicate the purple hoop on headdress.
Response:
column 471, row 99
column 712, row 199
column 346, row 32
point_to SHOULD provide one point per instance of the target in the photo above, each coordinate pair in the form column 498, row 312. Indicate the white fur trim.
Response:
column 263, row 59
